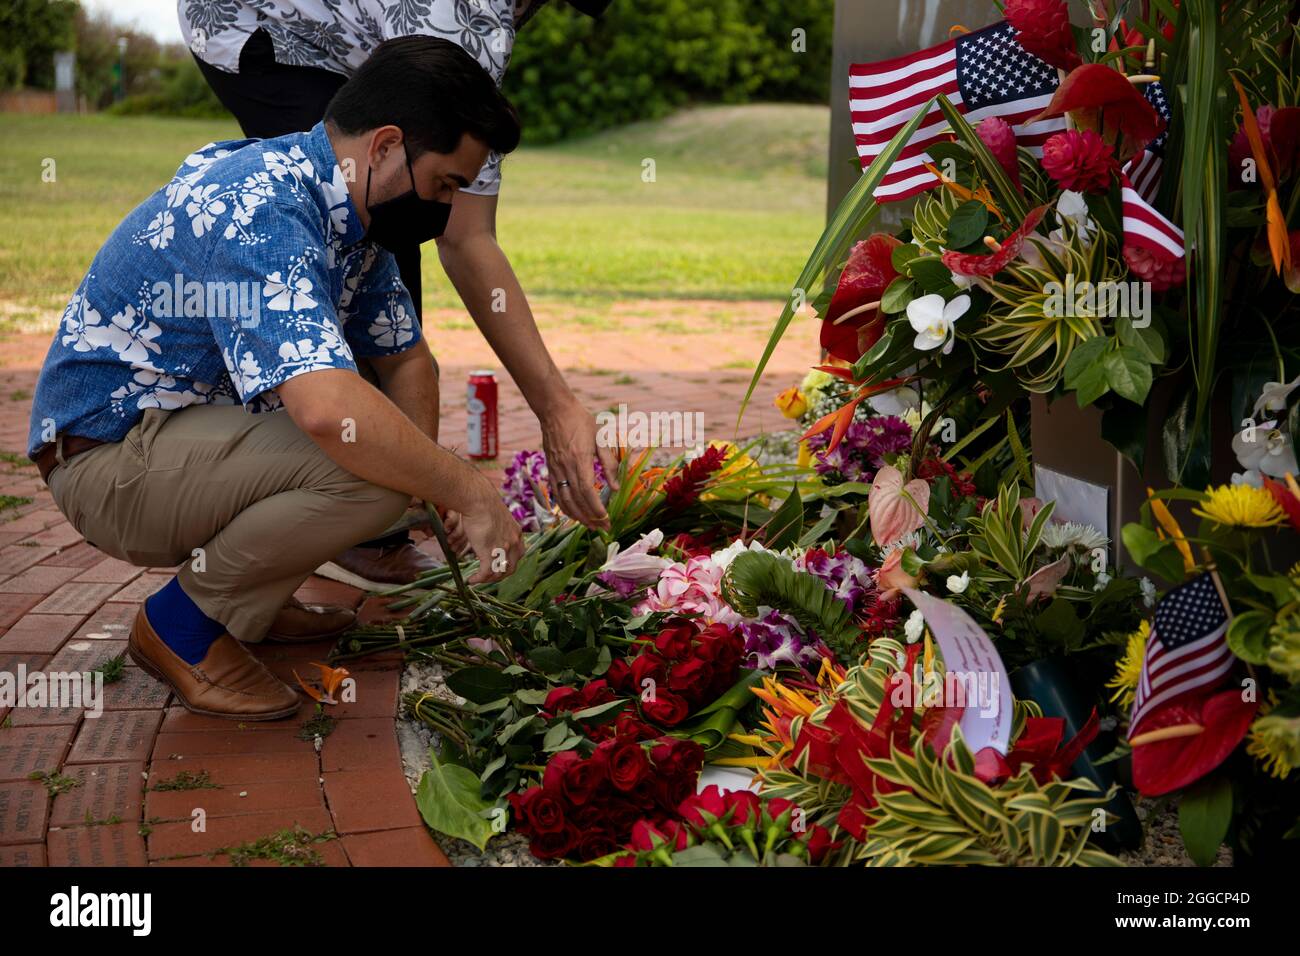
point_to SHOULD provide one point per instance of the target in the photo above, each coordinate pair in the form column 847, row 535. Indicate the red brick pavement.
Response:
column 80, row 790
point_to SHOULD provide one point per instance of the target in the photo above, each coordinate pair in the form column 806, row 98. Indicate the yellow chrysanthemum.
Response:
column 1274, row 740
column 1129, row 669
column 1240, row 506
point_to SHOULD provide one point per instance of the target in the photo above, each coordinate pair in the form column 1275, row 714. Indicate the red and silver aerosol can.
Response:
column 481, row 423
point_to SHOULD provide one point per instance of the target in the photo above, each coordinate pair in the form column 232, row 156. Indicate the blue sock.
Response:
column 179, row 622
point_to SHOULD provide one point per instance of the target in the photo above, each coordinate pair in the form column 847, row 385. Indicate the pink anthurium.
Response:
column 896, row 509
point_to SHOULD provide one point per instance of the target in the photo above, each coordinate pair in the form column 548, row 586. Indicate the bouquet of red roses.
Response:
column 728, row 828
column 587, row 806
column 686, row 667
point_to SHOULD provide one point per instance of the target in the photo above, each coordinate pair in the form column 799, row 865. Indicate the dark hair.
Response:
column 433, row 90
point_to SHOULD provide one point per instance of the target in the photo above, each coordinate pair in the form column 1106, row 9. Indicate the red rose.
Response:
column 556, row 769
column 596, row 692
column 670, row 791
column 619, row 674
column 746, row 807
column 552, row 846
column 691, row 678
column 632, row 727
column 647, row 666
column 675, row 642
column 538, row 811
column 818, row 841
column 593, row 844
column 561, row 699
column 675, row 757
column 1080, row 161
column 704, row 808
column 646, row 835
column 666, row 709
column 627, row 762
column 778, row 806
column 582, row 778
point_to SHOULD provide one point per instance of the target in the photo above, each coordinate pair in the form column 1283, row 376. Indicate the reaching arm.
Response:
column 482, row 274
column 391, row 450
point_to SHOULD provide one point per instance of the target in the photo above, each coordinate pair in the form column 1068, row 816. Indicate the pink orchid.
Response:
column 895, row 509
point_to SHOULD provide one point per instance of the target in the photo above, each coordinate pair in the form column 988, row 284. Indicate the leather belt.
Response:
column 60, row 450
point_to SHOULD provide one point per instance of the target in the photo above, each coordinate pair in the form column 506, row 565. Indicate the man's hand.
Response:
column 569, row 439
column 494, row 536
column 455, row 529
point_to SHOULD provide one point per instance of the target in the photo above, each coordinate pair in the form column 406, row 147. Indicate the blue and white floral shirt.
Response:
column 245, row 270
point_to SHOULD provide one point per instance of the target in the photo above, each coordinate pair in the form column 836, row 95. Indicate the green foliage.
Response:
column 31, row 32
column 761, row 578
column 449, row 801
column 571, row 75
column 950, row 817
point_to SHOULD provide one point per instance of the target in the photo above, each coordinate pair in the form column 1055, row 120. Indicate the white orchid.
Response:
column 958, row 583
column 1274, row 396
column 1263, row 449
column 896, row 401
column 933, row 319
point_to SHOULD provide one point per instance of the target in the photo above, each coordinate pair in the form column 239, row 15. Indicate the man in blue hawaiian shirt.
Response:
column 258, row 277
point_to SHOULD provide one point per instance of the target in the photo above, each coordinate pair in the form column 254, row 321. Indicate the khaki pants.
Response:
column 248, row 502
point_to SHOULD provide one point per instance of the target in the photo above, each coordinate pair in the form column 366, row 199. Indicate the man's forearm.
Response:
column 411, row 384
column 365, row 432
column 483, row 277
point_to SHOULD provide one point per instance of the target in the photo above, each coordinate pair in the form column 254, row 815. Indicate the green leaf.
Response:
column 1248, row 636
column 903, row 254
column 786, row 524
column 967, row 224
column 900, row 292
column 1128, row 374
column 933, row 276
column 1146, row 341
column 479, row 685
column 549, row 659
column 1204, row 814
column 519, row 583
column 449, row 801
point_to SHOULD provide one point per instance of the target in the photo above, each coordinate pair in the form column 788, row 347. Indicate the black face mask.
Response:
column 406, row 220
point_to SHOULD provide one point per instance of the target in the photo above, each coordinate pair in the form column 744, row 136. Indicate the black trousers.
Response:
column 270, row 99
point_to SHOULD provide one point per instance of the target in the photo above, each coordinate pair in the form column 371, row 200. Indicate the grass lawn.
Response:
column 736, row 203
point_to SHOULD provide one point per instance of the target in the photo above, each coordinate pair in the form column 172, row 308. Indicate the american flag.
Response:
column 1187, row 649
column 1143, row 226
column 985, row 73
column 1143, row 170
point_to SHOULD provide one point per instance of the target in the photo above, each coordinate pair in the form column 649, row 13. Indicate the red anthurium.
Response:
column 1102, row 99
column 972, row 264
column 1165, row 765
column 866, row 275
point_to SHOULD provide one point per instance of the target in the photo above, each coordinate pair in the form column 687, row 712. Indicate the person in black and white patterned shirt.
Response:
column 276, row 64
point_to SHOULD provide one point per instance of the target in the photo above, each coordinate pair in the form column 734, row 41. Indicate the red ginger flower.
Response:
column 997, row 134
column 1043, row 28
column 683, row 489
column 1162, row 271
column 1080, row 161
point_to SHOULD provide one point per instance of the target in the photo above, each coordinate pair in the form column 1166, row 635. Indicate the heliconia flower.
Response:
column 1102, row 99
column 1164, row 272
column 896, row 509
column 1080, row 161
column 791, row 403
column 973, row 264
column 1043, row 29
column 866, row 275
column 1280, row 133
column 997, row 134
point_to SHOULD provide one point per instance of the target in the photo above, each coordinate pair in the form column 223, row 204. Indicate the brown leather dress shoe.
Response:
column 229, row 682
column 377, row 568
column 299, row 623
